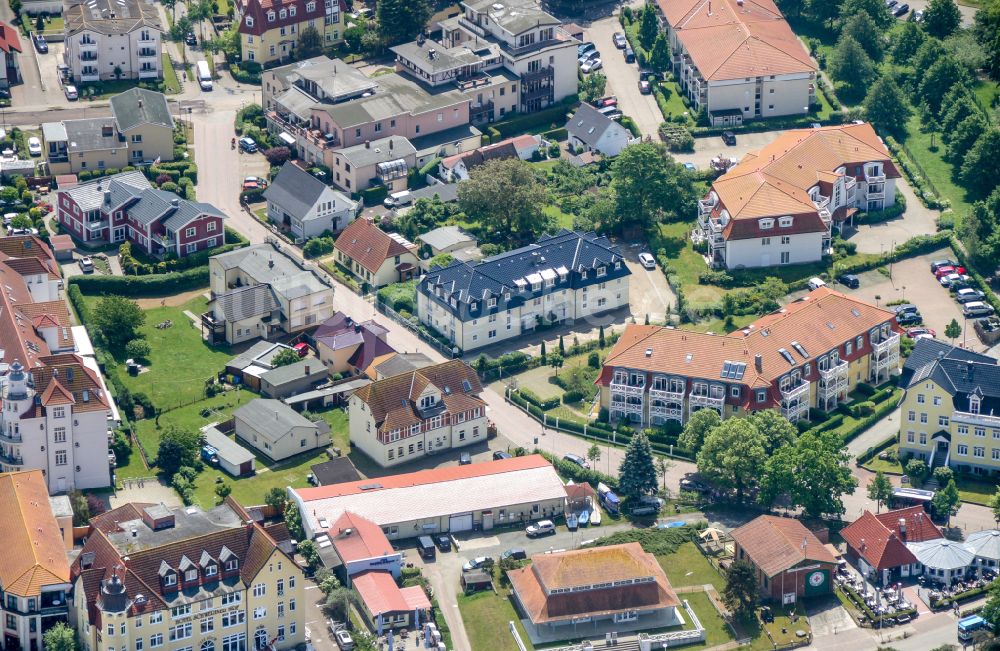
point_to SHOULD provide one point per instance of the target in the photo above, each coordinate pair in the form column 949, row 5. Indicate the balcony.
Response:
column 11, row 460
column 10, row 438
column 669, row 413
column 633, row 405
column 90, row 76
column 795, row 402
column 666, row 394
column 884, row 359
column 705, row 207
column 149, row 73
column 88, row 56
column 874, row 178
column 545, row 72
column 833, row 384
column 148, row 54
column 96, row 225
column 164, row 240
column 87, row 45
column 627, row 389
column 875, row 194
column 472, row 27
column 706, row 399
column 969, row 418
column 313, row 136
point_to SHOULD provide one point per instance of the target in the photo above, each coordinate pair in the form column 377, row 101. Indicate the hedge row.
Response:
column 555, row 116
column 532, row 397
column 915, row 177
column 881, row 411
column 754, row 126
column 578, row 474
column 556, row 135
column 153, row 285
column 874, row 450
column 877, row 217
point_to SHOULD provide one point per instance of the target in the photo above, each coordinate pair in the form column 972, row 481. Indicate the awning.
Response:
column 287, row 139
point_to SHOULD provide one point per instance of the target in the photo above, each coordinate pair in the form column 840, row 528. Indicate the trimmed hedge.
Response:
column 556, row 135
column 374, row 195
column 152, row 285
column 556, row 115
column 578, row 474
column 532, row 397
column 875, row 450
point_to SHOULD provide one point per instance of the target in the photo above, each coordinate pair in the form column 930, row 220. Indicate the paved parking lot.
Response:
column 623, row 78
column 705, row 149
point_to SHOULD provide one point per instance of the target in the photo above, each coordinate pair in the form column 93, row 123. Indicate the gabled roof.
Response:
column 369, row 245
column 246, row 302
column 446, row 236
column 296, row 191
column 589, row 125
column 138, row 106
column 778, row 544
column 258, row 11
column 110, row 16
column 356, row 539
column 735, row 39
column 876, row 543
column 34, row 556
column 272, row 419
column 392, row 401
column 379, row 592
column 958, row 371
column 10, row 41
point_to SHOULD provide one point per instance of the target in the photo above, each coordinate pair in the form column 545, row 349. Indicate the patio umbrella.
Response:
column 378, row 620
column 711, row 534
column 416, row 618
column 389, row 641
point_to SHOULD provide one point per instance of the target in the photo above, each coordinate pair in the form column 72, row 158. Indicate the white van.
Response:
column 398, row 199
column 816, row 283
column 204, row 75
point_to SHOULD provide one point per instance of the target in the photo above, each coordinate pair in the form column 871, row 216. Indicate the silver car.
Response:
column 647, row 260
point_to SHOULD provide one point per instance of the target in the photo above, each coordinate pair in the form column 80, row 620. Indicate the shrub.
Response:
column 277, row 155
column 138, row 349
column 152, row 285
column 318, row 246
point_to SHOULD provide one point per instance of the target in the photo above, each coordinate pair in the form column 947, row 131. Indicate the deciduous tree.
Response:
column 284, row 357
column 659, row 56
column 740, row 593
column 507, row 198
column 852, row 68
column 275, row 498
column 775, row 428
column 118, row 320
column 946, row 501
column 733, row 455
column 178, row 448
column 310, row 43
column 987, row 31
column 879, row 490
column 592, row 87
column 938, row 80
column 402, row 20
column 875, row 9
column 908, row 40
column 648, row 27
column 648, row 185
column 701, row 422
column 863, row 29
column 637, row 474
column 953, row 330
column 981, row 169
column 813, row 473
column 942, row 18
column 59, row 638
column 995, row 505
column 886, row 107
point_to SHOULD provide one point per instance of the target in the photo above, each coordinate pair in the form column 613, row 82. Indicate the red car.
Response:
column 606, row 101
column 302, row 349
column 944, row 271
column 913, row 333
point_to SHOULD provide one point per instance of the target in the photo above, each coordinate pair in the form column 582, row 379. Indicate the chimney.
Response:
column 175, row 202
column 758, row 363
column 307, row 370
column 862, row 545
column 902, row 528
column 107, row 197
column 270, row 263
column 140, row 102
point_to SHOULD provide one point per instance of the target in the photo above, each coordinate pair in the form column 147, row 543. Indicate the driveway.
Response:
column 705, row 149
column 648, row 291
column 623, row 78
column 917, row 220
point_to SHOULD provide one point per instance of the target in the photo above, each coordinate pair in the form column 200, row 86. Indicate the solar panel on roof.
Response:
column 725, row 369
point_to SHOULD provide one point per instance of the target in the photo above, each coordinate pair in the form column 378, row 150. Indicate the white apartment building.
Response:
column 259, row 291
column 428, row 411
column 778, row 206
column 112, row 39
column 561, row 278
column 738, row 59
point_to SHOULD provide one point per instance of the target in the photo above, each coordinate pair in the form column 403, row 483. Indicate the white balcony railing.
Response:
column 627, row 389
column 670, row 413
column 796, row 392
column 874, row 178
column 887, row 346
column 666, row 394
column 970, row 418
column 715, row 401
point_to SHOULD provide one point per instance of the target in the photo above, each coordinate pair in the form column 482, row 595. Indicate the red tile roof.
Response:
column 9, row 39
column 34, row 556
column 423, row 477
column 258, row 9
column 880, row 539
column 369, row 245
column 379, row 592
column 356, row 538
column 415, row 598
column 585, row 568
column 776, row 544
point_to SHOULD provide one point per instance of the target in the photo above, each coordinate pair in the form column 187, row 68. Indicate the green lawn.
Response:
column 688, row 566
column 562, row 220
column 937, row 170
column 219, row 408
column 486, row 616
column 975, row 491
column 673, row 103
column 718, row 326
column 716, row 630
column 180, row 360
column 892, row 467
column 687, row 264
column 171, row 85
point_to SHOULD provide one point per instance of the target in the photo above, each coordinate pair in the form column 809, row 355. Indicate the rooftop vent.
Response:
column 649, row 352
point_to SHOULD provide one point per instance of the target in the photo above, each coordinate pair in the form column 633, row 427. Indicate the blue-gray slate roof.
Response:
column 565, row 257
column 962, row 373
column 296, row 191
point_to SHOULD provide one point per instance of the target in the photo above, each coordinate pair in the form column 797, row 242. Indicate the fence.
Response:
column 517, row 636
column 926, row 178
column 447, row 351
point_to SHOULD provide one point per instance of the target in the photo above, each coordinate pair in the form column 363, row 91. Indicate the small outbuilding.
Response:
column 277, row 430
column 476, row 580
column 222, row 451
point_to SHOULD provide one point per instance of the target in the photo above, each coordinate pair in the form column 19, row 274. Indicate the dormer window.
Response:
column 270, row 16
column 427, row 401
column 232, row 564
column 974, row 402
column 283, row 13
column 211, row 570
column 506, row 297
column 310, row 6
column 170, row 579
column 492, row 302
column 602, row 271
column 766, row 223
column 473, row 306
column 618, row 265
column 583, row 275
column 191, row 575
column 291, row 10
column 536, row 286
column 785, row 222
column 249, row 21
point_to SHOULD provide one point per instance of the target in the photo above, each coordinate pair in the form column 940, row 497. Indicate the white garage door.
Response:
column 461, row 522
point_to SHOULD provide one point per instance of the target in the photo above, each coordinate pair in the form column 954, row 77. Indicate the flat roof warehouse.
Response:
column 429, row 494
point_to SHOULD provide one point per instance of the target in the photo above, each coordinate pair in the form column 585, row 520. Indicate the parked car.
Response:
column 614, row 115
column 425, row 547
column 191, row 39
column 500, row 454
column 344, row 640
column 254, row 183
column 619, row 40
column 949, row 269
column 816, row 283
column 891, row 3
column 302, row 348
column 540, row 528
column 40, row 44
column 34, row 146
column 913, row 333
column 909, row 318
column 577, row 459
column 86, row 265
column 610, row 100
column 937, row 264
column 694, row 485
column 968, row 294
column 71, row 93
column 953, row 279
column 248, row 145
column 444, row 543
column 464, row 459
column 644, row 87
column 647, row 505
column 904, row 308
column 629, row 55
column 592, row 65
column 918, row 16
column 475, row 563
column 647, row 260
column 729, row 138
column 588, row 56
column 901, row 10
column 516, row 553
column 976, row 309
column 849, row 280
column 583, row 48
column 608, row 110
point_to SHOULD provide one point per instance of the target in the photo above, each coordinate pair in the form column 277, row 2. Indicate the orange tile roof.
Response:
column 415, row 597
column 379, row 592
column 775, row 181
column 424, row 477
column 591, row 567
column 33, row 547
column 776, row 544
column 369, row 245
column 820, row 322
column 919, row 526
column 364, row 540
column 735, row 39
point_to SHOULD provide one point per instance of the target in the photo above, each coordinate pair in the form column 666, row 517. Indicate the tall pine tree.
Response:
column 637, row 474
column 648, row 28
column 402, row 20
